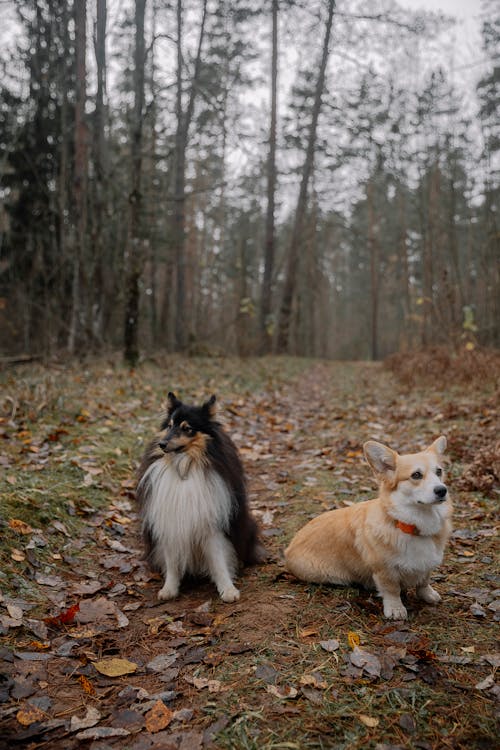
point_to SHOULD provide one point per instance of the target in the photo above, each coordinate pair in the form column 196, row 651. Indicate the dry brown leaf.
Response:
column 159, row 717
column 364, row 660
column 89, row 720
column 15, row 612
column 286, row 692
column 330, row 645
column 313, row 680
column 86, row 685
column 29, row 714
column 307, row 632
column 115, row 667
column 369, row 721
column 20, row 526
column 214, row 686
column 353, row 639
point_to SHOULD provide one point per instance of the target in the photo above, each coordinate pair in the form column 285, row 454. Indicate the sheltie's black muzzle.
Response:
column 163, row 444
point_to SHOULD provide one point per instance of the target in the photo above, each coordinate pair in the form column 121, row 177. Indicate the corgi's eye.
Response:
column 417, row 475
column 187, row 430
column 439, row 472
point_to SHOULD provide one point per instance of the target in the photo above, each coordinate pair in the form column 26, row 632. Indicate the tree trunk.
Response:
column 181, row 143
column 266, row 298
column 300, row 212
column 100, row 169
column 134, row 250
column 63, row 170
column 374, row 271
column 80, row 171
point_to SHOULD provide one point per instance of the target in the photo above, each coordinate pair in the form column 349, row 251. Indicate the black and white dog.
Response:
column 193, row 502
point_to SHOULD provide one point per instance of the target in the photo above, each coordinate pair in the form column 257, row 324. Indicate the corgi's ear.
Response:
column 172, row 403
column 438, row 446
column 209, row 407
column 381, row 458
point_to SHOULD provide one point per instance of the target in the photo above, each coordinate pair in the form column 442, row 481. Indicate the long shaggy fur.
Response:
column 193, row 501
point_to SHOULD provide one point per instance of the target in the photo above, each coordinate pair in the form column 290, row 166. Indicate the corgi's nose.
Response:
column 163, row 445
column 440, row 491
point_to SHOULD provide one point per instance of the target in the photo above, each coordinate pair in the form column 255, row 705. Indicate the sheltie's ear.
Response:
column 209, row 407
column 172, row 403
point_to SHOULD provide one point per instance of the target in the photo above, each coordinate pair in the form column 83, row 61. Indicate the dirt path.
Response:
column 289, row 665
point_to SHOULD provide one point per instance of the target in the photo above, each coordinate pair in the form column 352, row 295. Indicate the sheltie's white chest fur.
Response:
column 185, row 506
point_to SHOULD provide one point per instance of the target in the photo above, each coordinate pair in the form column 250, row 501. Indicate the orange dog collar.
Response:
column 408, row 528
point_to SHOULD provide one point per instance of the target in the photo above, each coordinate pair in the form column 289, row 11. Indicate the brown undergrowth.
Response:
column 475, row 366
column 290, row 665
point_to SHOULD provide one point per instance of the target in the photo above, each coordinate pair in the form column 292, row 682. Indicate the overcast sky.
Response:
column 466, row 11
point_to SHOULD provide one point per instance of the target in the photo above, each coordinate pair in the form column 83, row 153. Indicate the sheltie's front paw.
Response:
column 428, row 594
column 230, row 594
column 168, row 592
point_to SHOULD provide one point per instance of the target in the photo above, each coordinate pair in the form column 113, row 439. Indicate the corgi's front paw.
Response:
column 395, row 610
column 428, row 594
column 230, row 594
column 168, row 592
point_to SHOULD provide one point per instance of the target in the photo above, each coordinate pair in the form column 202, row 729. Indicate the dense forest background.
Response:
column 244, row 176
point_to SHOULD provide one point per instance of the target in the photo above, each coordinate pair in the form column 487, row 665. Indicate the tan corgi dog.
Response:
column 390, row 543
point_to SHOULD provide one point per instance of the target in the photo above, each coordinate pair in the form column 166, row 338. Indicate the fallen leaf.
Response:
column 86, row 685
column 162, row 662
column 102, row 612
column 99, row 733
column 23, row 687
column 89, row 720
column 31, row 655
column 39, row 646
column 485, row 684
column 15, row 612
column 66, row 617
column 286, row 692
column 267, row 673
column 493, row 660
column 369, row 721
column 214, row 686
column 17, row 555
column 87, row 588
column 38, row 627
column 159, row 717
column 20, row 526
column 313, row 680
column 407, row 722
column 313, row 695
column 128, row 719
column 49, row 580
column 59, row 526
column 115, row 667
column 331, row 645
column 476, row 610
column 366, row 661
column 29, row 714
column 353, row 639
column 306, row 632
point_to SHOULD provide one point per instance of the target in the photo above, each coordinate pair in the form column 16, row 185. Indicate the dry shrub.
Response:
column 478, row 366
column 483, row 474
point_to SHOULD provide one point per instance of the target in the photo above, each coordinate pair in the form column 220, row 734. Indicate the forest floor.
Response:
column 91, row 659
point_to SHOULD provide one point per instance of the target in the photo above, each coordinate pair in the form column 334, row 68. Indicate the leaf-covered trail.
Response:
column 92, row 659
